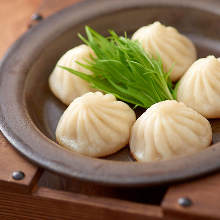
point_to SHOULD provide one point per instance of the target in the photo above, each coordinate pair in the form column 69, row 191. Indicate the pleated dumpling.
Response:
column 168, row 129
column 95, row 125
column 200, row 87
column 175, row 50
column 67, row 86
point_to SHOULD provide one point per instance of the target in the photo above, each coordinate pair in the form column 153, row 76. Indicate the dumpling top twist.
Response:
column 67, row 86
column 169, row 129
column 175, row 50
column 95, row 125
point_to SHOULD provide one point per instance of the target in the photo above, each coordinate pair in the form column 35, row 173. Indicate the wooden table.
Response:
column 44, row 195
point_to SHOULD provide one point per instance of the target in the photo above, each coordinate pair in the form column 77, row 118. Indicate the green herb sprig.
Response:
column 122, row 67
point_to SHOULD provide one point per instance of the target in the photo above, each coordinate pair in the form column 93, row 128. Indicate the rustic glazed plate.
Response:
column 29, row 112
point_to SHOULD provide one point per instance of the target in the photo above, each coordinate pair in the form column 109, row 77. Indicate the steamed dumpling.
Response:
column 169, row 129
column 200, row 87
column 175, row 50
column 67, row 86
column 95, row 125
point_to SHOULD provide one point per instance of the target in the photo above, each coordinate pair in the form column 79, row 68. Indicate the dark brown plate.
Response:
column 29, row 112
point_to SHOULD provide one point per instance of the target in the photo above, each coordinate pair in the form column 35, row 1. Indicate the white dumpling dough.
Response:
column 168, row 129
column 95, row 125
column 67, row 86
column 175, row 50
column 200, row 87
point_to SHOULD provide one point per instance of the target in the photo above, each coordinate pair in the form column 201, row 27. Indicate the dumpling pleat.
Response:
column 170, row 129
column 199, row 88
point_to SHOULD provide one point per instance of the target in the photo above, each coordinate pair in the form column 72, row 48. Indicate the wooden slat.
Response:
column 149, row 195
column 205, row 195
column 52, row 204
column 15, row 17
column 11, row 161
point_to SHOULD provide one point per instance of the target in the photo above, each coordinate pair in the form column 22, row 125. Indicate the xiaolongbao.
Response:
column 95, row 125
column 169, row 129
column 67, row 86
column 200, row 87
column 175, row 50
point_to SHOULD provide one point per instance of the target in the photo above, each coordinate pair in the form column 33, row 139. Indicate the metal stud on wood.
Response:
column 36, row 17
column 18, row 175
column 184, row 202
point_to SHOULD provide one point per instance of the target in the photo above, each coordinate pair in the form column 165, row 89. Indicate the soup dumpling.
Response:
column 168, row 129
column 200, row 87
column 67, row 86
column 174, row 49
column 95, row 125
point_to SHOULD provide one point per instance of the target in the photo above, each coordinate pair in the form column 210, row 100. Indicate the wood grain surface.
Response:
column 15, row 16
column 204, row 194
column 11, row 161
column 56, row 205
